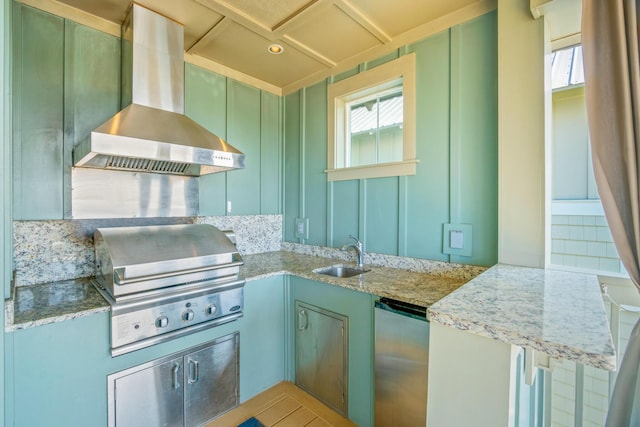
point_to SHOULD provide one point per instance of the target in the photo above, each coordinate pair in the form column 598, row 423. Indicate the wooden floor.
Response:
column 283, row 405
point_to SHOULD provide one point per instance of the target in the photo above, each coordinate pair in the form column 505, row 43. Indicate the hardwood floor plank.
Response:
column 277, row 404
column 270, row 416
column 301, row 417
column 318, row 422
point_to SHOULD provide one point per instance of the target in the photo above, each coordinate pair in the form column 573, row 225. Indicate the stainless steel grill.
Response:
column 166, row 281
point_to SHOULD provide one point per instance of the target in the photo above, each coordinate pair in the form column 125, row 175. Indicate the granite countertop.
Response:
column 418, row 288
column 557, row 313
column 55, row 302
column 52, row 302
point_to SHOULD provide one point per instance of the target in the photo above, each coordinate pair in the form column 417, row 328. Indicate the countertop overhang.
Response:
column 558, row 313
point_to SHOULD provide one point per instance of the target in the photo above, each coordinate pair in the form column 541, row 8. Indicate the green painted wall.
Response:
column 67, row 82
column 455, row 181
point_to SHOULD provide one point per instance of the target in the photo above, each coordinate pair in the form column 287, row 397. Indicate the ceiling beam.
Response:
column 306, row 50
column 212, row 33
column 363, row 20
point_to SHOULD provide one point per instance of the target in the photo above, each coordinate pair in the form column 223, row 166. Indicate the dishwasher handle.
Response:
column 402, row 308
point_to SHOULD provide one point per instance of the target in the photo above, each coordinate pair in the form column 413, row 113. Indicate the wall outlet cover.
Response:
column 302, row 228
column 457, row 239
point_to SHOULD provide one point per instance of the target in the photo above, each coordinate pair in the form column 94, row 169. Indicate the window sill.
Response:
column 405, row 167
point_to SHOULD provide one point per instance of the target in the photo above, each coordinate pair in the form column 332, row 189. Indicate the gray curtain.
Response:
column 612, row 90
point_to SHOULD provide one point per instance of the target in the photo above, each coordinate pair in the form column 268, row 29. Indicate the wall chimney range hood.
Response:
column 152, row 134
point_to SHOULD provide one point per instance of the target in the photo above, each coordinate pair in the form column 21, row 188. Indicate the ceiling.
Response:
column 319, row 37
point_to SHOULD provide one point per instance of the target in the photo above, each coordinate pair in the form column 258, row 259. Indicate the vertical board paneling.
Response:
column 38, row 114
column 91, row 89
column 344, row 215
column 475, row 200
column 381, row 215
column 270, row 154
column 205, row 101
column 456, row 145
column 291, row 179
column 315, row 158
column 243, row 132
column 427, row 207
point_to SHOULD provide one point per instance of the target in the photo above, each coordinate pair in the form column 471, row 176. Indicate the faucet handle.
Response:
column 358, row 242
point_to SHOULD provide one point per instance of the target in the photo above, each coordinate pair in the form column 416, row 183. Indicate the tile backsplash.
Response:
column 49, row 251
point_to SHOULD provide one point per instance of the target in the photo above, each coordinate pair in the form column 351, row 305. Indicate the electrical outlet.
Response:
column 457, row 239
column 302, row 228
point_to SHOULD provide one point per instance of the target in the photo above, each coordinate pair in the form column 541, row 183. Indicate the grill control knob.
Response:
column 212, row 309
column 188, row 315
column 162, row 322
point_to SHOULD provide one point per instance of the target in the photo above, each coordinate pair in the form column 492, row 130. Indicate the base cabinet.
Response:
column 321, row 355
column 184, row 389
column 320, row 349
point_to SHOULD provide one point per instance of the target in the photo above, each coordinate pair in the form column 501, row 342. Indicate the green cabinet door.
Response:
column 358, row 308
column 262, row 338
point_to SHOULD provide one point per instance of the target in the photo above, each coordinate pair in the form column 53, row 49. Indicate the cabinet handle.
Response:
column 302, row 320
column 176, row 382
column 196, row 371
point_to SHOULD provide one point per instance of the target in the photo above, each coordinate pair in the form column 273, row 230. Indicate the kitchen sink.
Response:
column 341, row 271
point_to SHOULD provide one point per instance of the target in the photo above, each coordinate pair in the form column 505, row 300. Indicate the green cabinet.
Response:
column 262, row 339
column 358, row 308
column 61, row 368
column 321, row 349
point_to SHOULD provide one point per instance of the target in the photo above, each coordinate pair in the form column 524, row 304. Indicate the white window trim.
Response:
column 404, row 68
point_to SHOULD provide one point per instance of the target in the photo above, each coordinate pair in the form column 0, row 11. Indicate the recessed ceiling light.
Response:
column 276, row 49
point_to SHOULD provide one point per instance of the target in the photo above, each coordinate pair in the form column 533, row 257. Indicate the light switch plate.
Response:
column 302, row 228
column 457, row 239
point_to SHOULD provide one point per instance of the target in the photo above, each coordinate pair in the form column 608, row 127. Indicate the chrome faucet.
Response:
column 358, row 247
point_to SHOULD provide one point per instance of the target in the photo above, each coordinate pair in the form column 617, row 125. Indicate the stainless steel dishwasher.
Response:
column 401, row 364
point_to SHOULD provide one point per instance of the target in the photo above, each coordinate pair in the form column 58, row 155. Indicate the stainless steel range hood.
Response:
column 152, row 134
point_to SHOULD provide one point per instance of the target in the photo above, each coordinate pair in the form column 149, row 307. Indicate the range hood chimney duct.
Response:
column 151, row 133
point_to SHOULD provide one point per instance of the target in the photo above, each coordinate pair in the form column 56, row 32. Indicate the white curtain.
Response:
column 612, row 88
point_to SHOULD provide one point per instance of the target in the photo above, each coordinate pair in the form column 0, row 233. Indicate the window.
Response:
column 375, row 129
column 580, row 236
column 372, row 123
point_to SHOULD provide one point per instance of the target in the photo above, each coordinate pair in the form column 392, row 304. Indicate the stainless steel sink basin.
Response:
column 341, row 271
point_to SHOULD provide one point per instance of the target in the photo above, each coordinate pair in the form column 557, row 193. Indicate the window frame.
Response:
column 374, row 80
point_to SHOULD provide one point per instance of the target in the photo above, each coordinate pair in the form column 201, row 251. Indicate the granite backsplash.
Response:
column 50, row 251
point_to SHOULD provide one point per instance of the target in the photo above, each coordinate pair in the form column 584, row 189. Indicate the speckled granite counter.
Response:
column 418, row 288
column 557, row 313
column 55, row 302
